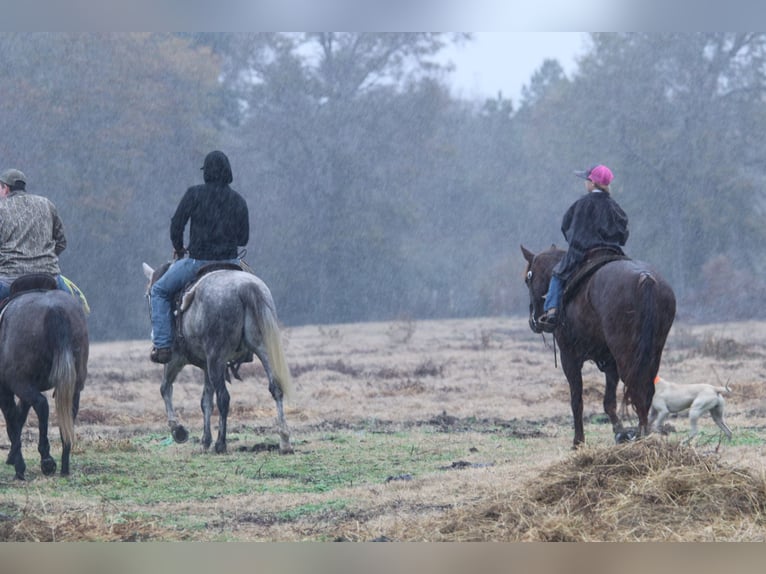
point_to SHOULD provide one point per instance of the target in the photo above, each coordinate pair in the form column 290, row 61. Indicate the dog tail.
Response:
column 723, row 390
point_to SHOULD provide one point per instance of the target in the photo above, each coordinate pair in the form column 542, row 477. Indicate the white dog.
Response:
column 698, row 398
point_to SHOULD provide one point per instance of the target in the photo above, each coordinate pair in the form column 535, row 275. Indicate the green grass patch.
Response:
column 153, row 481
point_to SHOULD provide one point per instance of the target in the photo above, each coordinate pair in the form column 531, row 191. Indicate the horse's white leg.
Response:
column 206, row 404
column 284, row 432
column 180, row 434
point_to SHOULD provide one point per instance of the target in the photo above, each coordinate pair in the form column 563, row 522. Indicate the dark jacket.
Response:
column 220, row 220
column 594, row 220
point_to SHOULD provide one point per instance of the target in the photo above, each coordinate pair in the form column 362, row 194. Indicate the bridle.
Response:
column 533, row 323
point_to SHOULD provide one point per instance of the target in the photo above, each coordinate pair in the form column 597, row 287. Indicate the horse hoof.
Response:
column 220, row 448
column 625, row 436
column 286, row 449
column 180, row 434
column 20, row 476
column 48, row 466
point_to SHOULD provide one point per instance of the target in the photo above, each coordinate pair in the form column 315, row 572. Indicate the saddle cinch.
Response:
column 595, row 259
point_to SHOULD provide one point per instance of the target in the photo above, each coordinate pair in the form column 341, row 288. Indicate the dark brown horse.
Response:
column 619, row 318
column 43, row 346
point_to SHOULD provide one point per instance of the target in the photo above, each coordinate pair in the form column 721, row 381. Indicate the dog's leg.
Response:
column 652, row 418
column 695, row 412
column 660, row 414
column 717, row 413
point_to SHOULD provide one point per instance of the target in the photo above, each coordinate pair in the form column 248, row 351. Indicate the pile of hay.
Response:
column 73, row 526
column 651, row 490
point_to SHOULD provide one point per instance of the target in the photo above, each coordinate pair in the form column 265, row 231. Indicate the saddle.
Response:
column 29, row 282
column 595, row 259
column 33, row 282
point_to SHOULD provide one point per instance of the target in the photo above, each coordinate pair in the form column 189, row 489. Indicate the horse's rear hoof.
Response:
column 48, row 466
column 180, row 434
column 220, row 448
column 625, row 436
column 20, row 476
column 286, row 449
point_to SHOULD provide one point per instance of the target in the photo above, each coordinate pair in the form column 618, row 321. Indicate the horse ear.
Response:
column 528, row 255
column 148, row 271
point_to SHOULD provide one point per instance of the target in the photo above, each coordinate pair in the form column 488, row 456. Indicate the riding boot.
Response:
column 161, row 356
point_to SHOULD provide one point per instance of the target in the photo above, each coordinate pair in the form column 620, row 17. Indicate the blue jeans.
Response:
column 553, row 298
column 178, row 274
column 5, row 286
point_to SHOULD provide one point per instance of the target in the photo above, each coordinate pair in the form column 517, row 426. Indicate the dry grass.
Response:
column 487, row 387
column 652, row 490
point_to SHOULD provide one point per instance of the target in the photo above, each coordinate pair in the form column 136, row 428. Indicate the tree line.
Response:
column 374, row 193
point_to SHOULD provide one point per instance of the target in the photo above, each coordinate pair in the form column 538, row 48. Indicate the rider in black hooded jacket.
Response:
column 593, row 221
column 218, row 225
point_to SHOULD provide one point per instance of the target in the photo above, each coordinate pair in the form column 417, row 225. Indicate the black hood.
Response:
column 216, row 168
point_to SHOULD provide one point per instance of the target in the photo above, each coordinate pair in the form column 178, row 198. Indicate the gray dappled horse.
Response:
column 226, row 316
column 43, row 346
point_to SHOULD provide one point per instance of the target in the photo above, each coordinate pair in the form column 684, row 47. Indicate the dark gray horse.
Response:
column 43, row 346
column 226, row 316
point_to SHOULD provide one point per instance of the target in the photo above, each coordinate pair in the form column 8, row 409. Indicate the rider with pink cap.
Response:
column 595, row 220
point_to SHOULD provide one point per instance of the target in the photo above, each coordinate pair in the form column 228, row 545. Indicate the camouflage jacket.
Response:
column 31, row 235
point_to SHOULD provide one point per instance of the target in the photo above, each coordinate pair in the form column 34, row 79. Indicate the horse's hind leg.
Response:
column 215, row 386
column 610, row 396
column 40, row 405
column 276, row 392
column 13, row 428
column 284, row 432
column 15, row 457
column 218, row 381
column 39, row 402
column 206, row 404
column 66, row 448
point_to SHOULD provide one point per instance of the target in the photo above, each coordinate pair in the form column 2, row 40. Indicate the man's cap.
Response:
column 10, row 176
column 598, row 174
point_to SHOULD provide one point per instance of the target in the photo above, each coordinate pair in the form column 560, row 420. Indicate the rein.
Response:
column 555, row 356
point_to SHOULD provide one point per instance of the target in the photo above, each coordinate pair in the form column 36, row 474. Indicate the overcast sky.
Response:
column 505, row 61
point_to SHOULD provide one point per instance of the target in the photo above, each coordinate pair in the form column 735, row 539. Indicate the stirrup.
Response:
column 549, row 320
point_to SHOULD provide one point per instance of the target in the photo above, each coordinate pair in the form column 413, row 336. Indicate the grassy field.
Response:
column 403, row 431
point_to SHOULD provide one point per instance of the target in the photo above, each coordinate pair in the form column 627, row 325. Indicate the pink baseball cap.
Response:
column 598, row 174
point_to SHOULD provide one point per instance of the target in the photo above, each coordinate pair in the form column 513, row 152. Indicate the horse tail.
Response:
column 63, row 374
column 265, row 317
column 646, row 363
